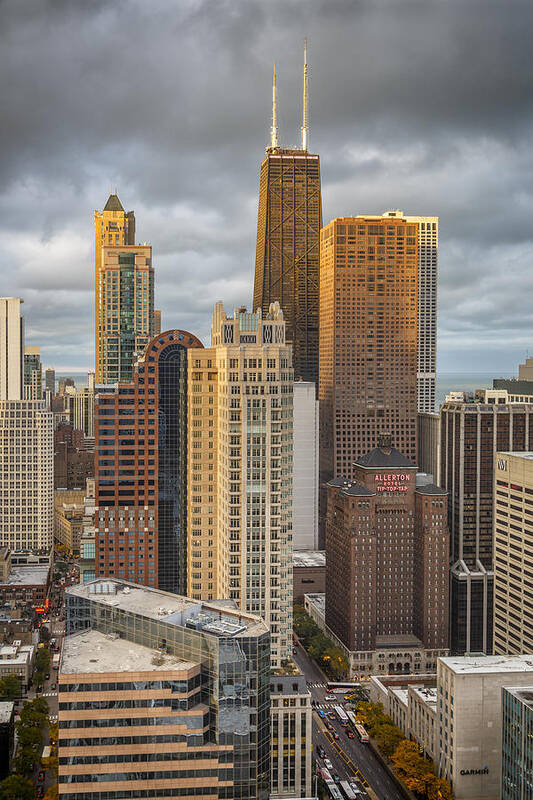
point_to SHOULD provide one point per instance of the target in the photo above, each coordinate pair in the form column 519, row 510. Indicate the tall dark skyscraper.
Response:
column 141, row 469
column 288, row 240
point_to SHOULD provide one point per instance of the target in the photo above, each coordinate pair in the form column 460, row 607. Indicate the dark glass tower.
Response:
column 288, row 242
column 141, row 469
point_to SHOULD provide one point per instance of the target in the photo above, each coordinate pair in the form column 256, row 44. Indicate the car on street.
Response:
column 330, row 727
column 321, row 751
column 336, row 777
column 332, row 716
column 321, row 714
column 47, row 676
column 335, row 735
column 53, row 687
column 294, row 651
column 328, row 764
column 350, row 734
column 40, row 791
column 40, row 776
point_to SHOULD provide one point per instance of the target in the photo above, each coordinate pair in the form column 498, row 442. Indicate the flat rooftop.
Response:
column 484, row 665
column 528, row 455
column 31, row 575
column 221, row 619
column 318, row 600
column 398, row 640
column 6, row 710
column 402, row 695
column 522, row 693
column 428, row 695
column 309, row 558
column 91, row 651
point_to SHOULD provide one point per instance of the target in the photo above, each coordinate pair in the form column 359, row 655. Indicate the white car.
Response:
column 328, row 764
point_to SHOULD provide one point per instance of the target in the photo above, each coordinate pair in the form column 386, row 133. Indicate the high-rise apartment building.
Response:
column 387, row 545
column 162, row 696
column 157, row 321
column 112, row 227
column 80, row 406
column 428, row 443
column 26, row 446
column 428, row 248
column 471, row 435
column 50, row 380
column 33, row 374
column 287, row 259
column 11, row 349
column 513, row 544
column 305, row 467
column 240, row 468
column 368, row 339
column 126, row 297
column 141, row 468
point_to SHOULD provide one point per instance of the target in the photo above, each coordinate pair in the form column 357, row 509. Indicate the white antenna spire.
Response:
column 305, row 126
column 274, row 128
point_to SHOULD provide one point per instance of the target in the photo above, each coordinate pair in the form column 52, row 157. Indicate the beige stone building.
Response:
column 513, row 553
column 291, row 721
column 240, row 463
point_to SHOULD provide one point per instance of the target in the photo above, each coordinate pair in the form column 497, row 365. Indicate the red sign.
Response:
column 393, row 481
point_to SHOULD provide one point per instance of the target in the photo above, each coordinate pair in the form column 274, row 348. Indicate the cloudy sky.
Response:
column 423, row 105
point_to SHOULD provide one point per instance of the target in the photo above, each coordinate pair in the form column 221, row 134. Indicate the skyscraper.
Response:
column 387, row 545
column 288, row 241
column 11, row 349
column 26, row 446
column 428, row 248
column 368, row 339
column 471, row 434
column 50, row 380
column 126, row 292
column 141, row 469
column 112, row 227
column 33, row 373
column 240, row 467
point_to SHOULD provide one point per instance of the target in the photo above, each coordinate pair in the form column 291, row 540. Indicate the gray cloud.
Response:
column 422, row 105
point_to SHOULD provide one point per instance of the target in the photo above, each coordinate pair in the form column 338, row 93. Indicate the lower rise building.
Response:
column 291, row 721
column 162, row 696
column 517, row 743
column 387, row 548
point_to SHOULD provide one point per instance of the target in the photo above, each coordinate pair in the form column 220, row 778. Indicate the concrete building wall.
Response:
column 429, row 445
column 305, row 467
column 11, row 349
column 513, row 553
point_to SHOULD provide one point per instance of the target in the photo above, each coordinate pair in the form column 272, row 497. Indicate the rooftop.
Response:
column 428, row 695
column 318, row 600
column 402, row 695
column 481, row 664
column 218, row 618
column 528, row 456
column 91, row 651
column 309, row 558
column 6, row 711
column 522, row 693
column 113, row 203
column 398, row 640
column 31, row 575
column 384, row 457
column 430, row 488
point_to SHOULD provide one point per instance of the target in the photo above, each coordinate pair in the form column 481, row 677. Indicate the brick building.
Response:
column 73, row 462
column 387, row 549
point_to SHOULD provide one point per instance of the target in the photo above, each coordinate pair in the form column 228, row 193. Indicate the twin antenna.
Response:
column 305, row 126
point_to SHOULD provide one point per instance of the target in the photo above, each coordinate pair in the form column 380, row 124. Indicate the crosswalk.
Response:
column 324, row 706
column 318, row 685
column 49, row 694
column 53, row 718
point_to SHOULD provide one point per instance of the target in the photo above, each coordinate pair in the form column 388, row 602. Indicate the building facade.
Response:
column 50, row 381
column 368, row 340
column 112, row 227
column 188, row 682
column 289, row 220
column 429, row 445
column 513, row 548
column 80, row 406
column 470, row 720
column 240, row 463
column 517, row 747
column 141, row 468
column 33, row 373
column 291, row 723
column 471, row 434
column 126, row 296
column 11, row 349
column 73, row 461
column 305, row 466
column 387, row 547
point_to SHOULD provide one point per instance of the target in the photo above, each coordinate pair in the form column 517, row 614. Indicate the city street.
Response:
column 349, row 757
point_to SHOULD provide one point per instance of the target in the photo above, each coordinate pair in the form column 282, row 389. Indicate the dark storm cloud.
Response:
column 423, row 106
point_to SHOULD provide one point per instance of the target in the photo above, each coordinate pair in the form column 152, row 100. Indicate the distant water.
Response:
column 462, row 382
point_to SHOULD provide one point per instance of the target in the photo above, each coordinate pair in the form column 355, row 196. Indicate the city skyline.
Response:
column 426, row 132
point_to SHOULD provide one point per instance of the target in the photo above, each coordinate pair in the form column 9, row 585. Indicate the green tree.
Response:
column 10, row 687
column 336, row 661
column 387, row 737
column 30, row 736
column 25, row 761
column 44, row 634
column 15, row 787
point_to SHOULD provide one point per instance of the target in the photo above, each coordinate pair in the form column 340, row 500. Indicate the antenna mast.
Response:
column 305, row 126
column 274, row 128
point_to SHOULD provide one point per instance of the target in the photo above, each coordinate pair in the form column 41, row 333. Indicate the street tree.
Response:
column 387, row 737
column 10, row 687
column 16, row 787
column 411, row 767
column 30, row 736
column 25, row 761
